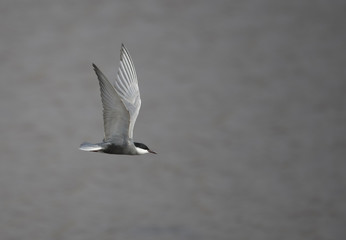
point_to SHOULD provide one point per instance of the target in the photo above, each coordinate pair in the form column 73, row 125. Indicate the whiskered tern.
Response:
column 121, row 103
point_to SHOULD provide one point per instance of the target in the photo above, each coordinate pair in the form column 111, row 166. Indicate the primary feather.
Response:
column 121, row 100
column 126, row 85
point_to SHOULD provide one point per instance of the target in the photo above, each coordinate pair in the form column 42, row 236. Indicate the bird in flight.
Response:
column 121, row 103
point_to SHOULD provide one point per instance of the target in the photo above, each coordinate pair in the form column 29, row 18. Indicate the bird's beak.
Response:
column 152, row 151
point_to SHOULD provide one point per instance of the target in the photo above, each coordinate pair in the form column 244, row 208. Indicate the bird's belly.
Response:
column 118, row 149
column 114, row 149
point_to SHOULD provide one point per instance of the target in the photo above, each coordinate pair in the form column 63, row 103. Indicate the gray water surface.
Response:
column 243, row 100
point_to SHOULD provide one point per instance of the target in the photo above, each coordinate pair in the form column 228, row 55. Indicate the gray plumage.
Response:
column 121, row 103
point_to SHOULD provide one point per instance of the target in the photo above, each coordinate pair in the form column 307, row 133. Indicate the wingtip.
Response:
column 123, row 48
column 96, row 69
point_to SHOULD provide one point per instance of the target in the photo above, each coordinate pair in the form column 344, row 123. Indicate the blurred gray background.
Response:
column 243, row 100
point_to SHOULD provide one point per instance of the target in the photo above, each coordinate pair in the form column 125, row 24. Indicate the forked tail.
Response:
column 90, row 147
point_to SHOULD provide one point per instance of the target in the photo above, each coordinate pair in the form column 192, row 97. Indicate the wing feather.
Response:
column 116, row 117
column 126, row 85
column 121, row 100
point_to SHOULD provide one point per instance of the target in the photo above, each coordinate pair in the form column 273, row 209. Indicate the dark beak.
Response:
column 152, row 151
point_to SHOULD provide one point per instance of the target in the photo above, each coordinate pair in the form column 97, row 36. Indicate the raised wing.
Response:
column 126, row 85
column 116, row 117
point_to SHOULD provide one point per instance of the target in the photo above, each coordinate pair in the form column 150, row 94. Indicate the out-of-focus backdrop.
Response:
column 243, row 100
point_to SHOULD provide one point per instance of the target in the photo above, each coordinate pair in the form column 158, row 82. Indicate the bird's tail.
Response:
column 90, row 147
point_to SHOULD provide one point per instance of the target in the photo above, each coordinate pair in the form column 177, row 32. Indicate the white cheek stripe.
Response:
column 141, row 151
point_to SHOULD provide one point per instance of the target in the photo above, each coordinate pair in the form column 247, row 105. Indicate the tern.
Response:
column 121, row 103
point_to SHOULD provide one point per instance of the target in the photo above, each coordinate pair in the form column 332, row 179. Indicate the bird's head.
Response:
column 142, row 148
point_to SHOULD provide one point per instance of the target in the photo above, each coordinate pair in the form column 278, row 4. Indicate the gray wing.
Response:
column 116, row 117
column 126, row 85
